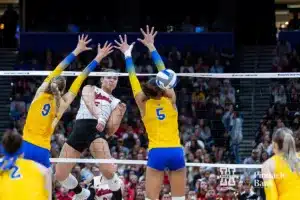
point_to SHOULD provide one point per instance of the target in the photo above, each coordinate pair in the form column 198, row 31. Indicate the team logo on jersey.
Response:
column 227, row 177
column 99, row 97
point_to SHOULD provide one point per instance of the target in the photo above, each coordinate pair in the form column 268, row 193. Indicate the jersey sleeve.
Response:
column 114, row 103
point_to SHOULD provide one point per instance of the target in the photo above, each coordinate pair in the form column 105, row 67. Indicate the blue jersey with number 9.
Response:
column 38, row 128
column 161, row 123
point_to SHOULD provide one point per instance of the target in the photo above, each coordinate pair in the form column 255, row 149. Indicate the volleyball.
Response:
column 166, row 79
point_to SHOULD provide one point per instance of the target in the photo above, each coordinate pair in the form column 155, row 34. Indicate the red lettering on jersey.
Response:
column 102, row 192
column 101, row 97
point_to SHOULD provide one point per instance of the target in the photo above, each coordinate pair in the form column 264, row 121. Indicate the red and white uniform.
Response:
column 105, row 104
column 102, row 190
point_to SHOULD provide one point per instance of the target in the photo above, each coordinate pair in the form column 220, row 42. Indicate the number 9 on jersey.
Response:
column 46, row 109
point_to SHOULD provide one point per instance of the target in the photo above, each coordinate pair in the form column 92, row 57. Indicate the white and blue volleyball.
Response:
column 166, row 79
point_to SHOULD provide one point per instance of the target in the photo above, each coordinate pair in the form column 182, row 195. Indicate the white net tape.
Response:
column 203, row 75
column 142, row 162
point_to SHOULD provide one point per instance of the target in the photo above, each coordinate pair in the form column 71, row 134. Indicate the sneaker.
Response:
column 83, row 195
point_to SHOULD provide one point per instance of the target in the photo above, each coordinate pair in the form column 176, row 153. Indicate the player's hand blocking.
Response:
column 104, row 51
column 149, row 37
column 82, row 44
column 123, row 46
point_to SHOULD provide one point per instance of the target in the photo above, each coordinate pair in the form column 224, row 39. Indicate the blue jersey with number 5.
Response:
column 161, row 123
column 38, row 128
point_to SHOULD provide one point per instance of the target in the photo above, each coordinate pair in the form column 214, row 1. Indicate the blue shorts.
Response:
column 36, row 153
column 166, row 158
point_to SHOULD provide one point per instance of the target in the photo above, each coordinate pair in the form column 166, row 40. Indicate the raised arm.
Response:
column 68, row 98
column 138, row 94
column 148, row 41
column 83, row 41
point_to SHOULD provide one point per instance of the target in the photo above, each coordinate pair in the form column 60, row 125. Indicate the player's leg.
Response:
column 155, row 172
column 154, row 180
column 100, row 150
column 177, row 181
column 63, row 170
column 177, row 175
column 77, row 142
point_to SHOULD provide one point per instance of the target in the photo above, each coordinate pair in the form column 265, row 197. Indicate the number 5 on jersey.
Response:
column 46, row 109
column 160, row 115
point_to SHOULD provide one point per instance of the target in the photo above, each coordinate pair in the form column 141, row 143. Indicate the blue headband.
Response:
column 10, row 159
column 17, row 153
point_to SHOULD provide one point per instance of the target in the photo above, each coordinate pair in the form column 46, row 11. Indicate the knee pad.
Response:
column 70, row 182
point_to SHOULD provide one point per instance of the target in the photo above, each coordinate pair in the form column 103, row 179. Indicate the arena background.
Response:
column 194, row 37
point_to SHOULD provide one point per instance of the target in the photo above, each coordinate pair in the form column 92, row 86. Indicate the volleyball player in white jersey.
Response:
column 99, row 190
column 98, row 117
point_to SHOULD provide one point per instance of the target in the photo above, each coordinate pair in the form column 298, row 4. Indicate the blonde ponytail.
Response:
column 56, row 88
column 289, row 151
column 56, row 93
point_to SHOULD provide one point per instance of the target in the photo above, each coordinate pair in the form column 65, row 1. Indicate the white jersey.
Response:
column 101, row 189
column 105, row 103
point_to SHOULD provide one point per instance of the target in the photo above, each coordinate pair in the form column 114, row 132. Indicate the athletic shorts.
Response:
column 83, row 134
column 166, row 158
column 36, row 153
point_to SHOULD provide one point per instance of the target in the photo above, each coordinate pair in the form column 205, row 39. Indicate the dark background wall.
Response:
column 253, row 22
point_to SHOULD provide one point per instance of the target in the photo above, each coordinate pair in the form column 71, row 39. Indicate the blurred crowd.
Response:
column 284, row 110
column 284, row 107
column 210, row 125
column 287, row 58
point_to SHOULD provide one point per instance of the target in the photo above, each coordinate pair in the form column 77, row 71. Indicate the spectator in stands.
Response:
column 187, row 25
column 64, row 194
column 283, row 48
column 248, row 192
column 10, row 19
column 187, row 67
column 17, row 107
column 200, row 66
column 265, row 146
column 279, row 95
column 294, row 22
column 236, row 135
column 253, row 159
column 294, row 61
column 217, row 67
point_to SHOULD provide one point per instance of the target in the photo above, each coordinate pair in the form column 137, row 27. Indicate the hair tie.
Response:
column 10, row 159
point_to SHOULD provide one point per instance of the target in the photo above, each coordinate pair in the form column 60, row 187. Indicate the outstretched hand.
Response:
column 83, row 41
column 104, row 51
column 149, row 37
column 123, row 46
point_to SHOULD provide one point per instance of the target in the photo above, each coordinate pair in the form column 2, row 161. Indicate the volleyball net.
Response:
column 224, row 119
